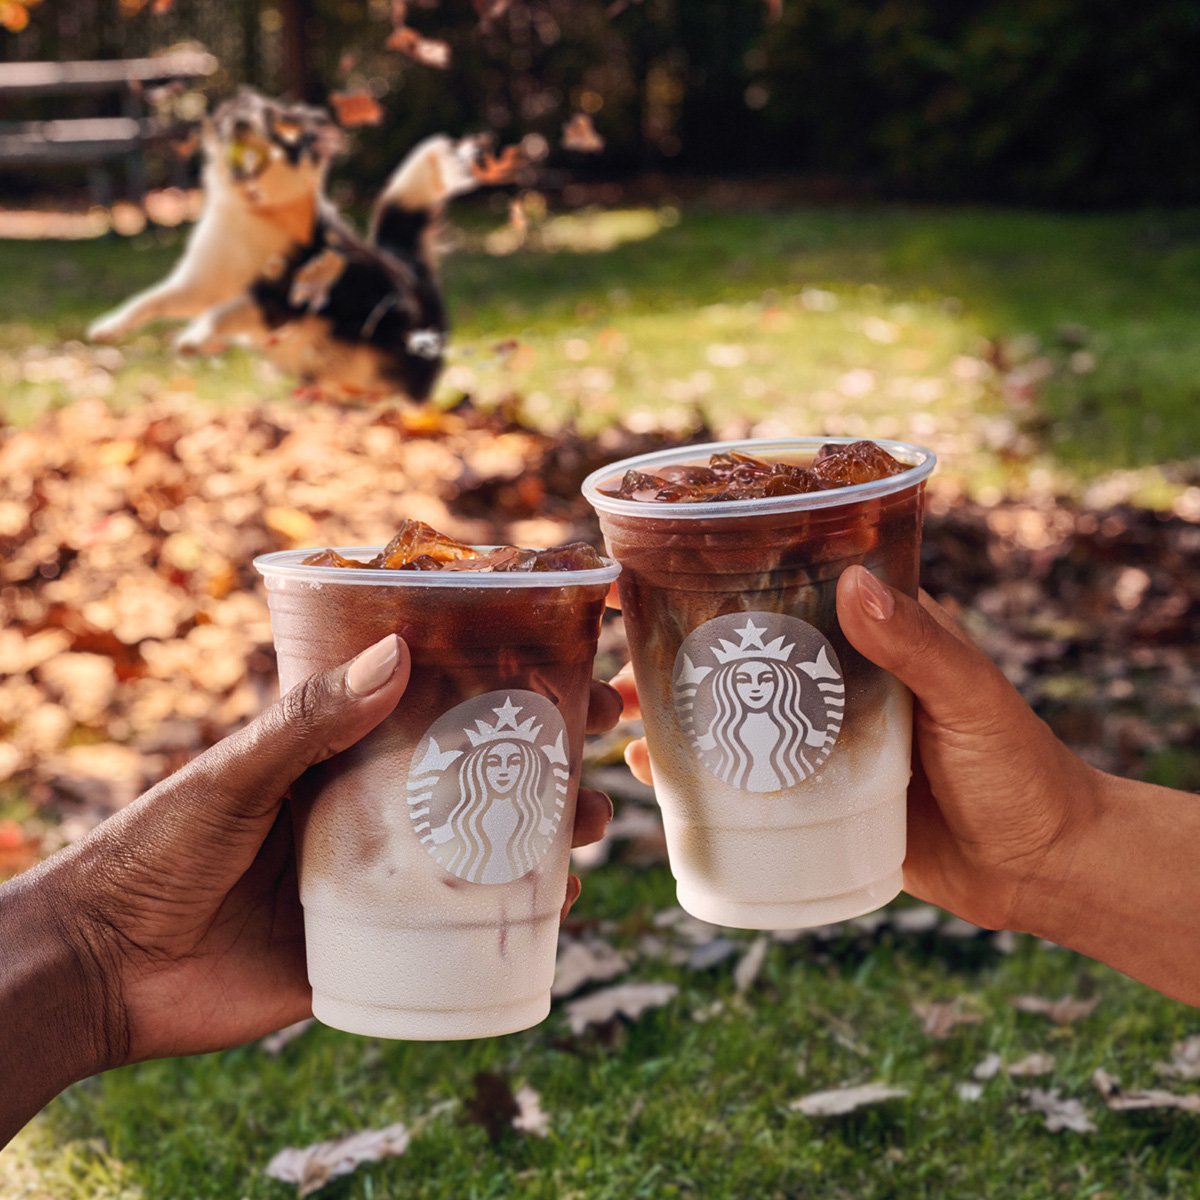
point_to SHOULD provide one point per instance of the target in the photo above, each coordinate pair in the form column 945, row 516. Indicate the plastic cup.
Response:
column 433, row 854
column 780, row 755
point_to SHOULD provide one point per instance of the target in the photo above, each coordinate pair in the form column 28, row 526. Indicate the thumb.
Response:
column 957, row 685
column 245, row 776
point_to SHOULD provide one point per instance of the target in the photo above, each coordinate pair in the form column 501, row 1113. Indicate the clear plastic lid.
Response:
column 920, row 463
column 290, row 565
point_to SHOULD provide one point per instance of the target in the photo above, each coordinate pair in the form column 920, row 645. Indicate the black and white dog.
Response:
column 271, row 264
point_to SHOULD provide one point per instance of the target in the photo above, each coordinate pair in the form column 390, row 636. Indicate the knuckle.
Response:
column 302, row 706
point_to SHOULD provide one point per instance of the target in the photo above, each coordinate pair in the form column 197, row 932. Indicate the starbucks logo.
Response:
column 488, row 785
column 761, row 697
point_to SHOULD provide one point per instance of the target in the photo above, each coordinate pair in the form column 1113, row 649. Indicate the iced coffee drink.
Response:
column 780, row 754
column 433, row 854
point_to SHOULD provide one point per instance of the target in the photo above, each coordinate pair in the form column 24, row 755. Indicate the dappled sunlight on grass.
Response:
column 1019, row 345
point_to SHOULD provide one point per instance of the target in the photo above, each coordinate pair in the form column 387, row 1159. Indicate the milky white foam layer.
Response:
column 826, row 850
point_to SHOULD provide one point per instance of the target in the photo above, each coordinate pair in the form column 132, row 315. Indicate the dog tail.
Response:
column 406, row 215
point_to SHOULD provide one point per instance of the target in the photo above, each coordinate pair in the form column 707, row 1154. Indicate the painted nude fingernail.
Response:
column 876, row 600
column 374, row 666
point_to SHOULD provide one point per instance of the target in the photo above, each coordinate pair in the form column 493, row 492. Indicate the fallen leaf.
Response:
column 274, row 1043
column 585, row 961
column 711, row 954
column 311, row 1167
column 939, row 1018
column 492, row 1104
column 1064, row 1011
column 579, row 134
column 1119, row 1100
column 750, row 965
column 839, row 1101
column 1059, row 1113
column 354, row 109
column 923, row 918
column 311, row 283
column 968, row 1091
column 1185, row 1059
column 988, row 1067
column 627, row 999
column 492, row 170
column 1031, row 1065
column 429, row 52
column 530, row 1117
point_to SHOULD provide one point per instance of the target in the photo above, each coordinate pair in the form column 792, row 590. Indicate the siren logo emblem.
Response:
column 488, row 785
column 761, row 697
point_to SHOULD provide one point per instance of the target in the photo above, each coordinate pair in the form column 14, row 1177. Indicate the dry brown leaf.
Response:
column 311, row 284
column 310, row 1168
column 354, row 109
column 1031, row 1065
column 939, row 1018
column 530, row 1118
column 750, row 965
column 838, row 1101
column 1064, row 1011
column 429, row 52
column 1185, row 1060
column 492, row 170
column 988, row 1067
column 628, row 1000
column 585, row 961
column 1059, row 1113
column 579, row 134
column 1119, row 1100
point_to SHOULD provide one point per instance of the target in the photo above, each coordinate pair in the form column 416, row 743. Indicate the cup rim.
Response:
column 287, row 564
column 920, row 460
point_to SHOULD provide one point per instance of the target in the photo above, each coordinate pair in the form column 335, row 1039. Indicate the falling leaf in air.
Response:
column 626, row 999
column 1119, row 1100
column 1059, row 1113
column 579, row 134
column 274, row 1043
column 311, row 1167
column 492, row 170
column 939, row 1018
column 354, row 109
column 1064, row 1011
column 1185, row 1060
column 311, row 284
column 750, row 965
column 585, row 961
column 1031, row 1065
column 530, row 1118
column 839, row 1101
column 429, row 52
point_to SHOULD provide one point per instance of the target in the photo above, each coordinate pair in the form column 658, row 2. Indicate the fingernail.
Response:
column 876, row 600
column 374, row 666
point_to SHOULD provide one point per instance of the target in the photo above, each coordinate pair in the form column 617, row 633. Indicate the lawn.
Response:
column 1027, row 349
column 1011, row 341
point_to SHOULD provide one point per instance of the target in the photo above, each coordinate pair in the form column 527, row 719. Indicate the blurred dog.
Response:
column 271, row 264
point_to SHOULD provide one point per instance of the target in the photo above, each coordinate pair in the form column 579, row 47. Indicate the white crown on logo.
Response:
column 752, row 645
column 506, row 728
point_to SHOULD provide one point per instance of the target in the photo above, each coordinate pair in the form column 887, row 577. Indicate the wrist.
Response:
column 59, row 1000
column 1051, row 900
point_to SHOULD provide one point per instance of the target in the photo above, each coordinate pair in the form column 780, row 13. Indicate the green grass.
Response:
column 874, row 321
column 674, row 1107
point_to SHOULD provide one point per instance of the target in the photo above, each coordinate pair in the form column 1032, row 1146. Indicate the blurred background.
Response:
column 972, row 226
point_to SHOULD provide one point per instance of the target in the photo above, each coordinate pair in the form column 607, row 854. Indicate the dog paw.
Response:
column 192, row 343
column 108, row 328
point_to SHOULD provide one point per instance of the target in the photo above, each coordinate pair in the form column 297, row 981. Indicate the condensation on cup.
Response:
column 433, row 854
column 781, row 756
